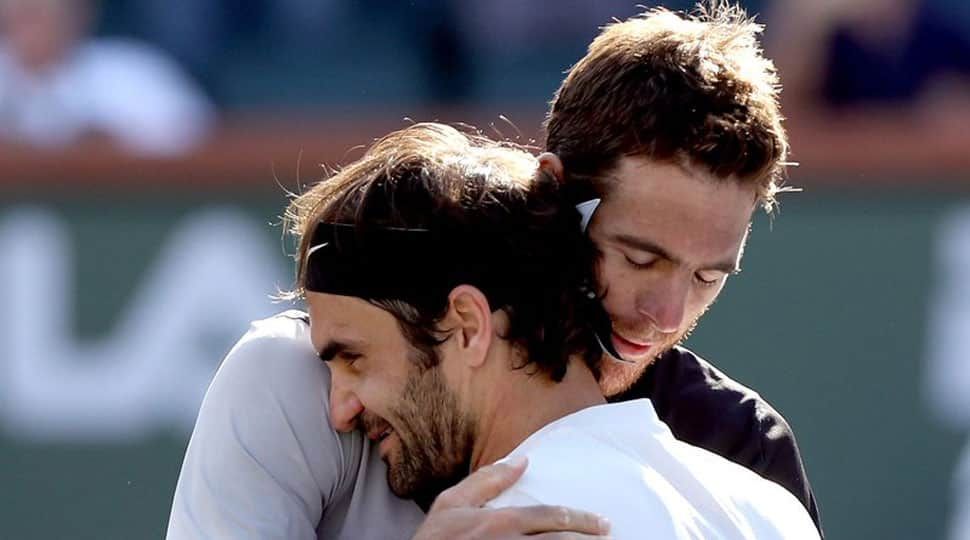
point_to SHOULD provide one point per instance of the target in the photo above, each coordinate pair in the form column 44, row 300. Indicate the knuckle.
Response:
column 563, row 517
column 502, row 519
column 446, row 499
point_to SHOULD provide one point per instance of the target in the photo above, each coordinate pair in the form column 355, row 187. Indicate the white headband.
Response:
column 586, row 209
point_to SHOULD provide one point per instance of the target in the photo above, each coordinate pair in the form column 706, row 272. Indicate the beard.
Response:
column 618, row 376
column 436, row 439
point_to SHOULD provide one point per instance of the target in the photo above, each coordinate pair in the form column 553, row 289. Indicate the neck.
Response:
column 523, row 402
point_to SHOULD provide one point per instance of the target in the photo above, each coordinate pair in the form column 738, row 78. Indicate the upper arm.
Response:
column 263, row 461
column 781, row 461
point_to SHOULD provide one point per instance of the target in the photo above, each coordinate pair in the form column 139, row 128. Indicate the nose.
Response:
column 345, row 407
column 665, row 303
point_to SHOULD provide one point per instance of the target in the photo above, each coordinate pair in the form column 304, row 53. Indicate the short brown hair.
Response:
column 686, row 89
column 483, row 202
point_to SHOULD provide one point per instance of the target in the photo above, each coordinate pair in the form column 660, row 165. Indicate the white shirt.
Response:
column 264, row 462
column 620, row 461
column 119, row 88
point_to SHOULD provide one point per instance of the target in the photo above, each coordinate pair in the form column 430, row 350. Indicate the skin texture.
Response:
column 424, row 435
column 449, row 419
column 669, row 237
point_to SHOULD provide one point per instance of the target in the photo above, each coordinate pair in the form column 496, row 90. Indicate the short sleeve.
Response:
column 263, row 461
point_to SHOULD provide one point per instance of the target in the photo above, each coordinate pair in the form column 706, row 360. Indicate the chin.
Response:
column 400, row 478
column 423, row 491
column 616, row 377
column 400, row 487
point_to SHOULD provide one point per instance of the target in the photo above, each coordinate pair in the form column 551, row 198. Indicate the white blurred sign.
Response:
column 948, row 330
column 948, row 351
column 213, row 275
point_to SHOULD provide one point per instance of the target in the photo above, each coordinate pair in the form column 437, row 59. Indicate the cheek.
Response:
column 621, row 283
column 702, row 299
column 378, row 393
column 613, row 272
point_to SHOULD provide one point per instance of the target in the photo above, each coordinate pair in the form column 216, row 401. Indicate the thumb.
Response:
column 483, row 485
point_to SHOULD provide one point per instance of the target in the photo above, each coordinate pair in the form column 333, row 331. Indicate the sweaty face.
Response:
column 413, row 416
column 668, row 238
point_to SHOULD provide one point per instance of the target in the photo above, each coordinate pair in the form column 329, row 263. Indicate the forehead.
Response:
column 348, row 319
column 684, row 209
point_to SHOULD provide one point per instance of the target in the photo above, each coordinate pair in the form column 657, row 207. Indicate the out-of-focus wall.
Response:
column 124, row 279
column 119, row 301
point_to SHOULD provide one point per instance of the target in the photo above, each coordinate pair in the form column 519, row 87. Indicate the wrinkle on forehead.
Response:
column 697, row 218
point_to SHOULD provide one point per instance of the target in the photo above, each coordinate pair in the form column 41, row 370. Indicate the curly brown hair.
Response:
column 684, row 89
column 492, row 209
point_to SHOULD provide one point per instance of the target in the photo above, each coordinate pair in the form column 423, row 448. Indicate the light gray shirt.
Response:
column 264, row 461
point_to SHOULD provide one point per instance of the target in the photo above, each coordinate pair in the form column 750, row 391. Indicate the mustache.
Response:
column 639, row 330
column 368, row 422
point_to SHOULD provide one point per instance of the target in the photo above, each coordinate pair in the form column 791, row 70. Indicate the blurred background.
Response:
column 146, row 148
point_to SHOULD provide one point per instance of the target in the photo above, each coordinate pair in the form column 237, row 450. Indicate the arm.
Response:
column 459, row 513
column 262, row 461
column 781, row 462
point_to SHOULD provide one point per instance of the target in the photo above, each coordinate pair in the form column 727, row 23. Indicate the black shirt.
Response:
column 706, row 408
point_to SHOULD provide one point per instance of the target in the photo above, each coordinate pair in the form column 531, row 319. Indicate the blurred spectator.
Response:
column 59, row 87
column 905, row 59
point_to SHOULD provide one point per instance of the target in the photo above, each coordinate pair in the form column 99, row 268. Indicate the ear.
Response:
column 550, row 164
column 470, row 318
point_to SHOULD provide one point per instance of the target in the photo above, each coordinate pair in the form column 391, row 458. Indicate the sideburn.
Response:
column 438, row 446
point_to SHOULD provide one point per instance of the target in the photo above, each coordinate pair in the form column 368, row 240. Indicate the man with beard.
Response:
column 673, row 125
column 448, row 288
column 669, row 129
column 668, row 135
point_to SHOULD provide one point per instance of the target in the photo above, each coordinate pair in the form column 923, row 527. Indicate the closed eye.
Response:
column 640, row 265
column 349, row 357
column 338, row 350
column 706, row 282
column 710, row 278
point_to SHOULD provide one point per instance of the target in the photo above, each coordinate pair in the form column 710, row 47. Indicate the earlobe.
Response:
column 550, row 164
column 471, row 322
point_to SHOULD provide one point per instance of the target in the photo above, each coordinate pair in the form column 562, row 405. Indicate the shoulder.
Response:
column 570, row 466
column 275, row 357
column 693, row 396
column 589, row 456
column 600, row 461
column 287, row 330
column 705, row 407
column 766, row 508
column 703, row 404
column 274, row 380
column 263, row 446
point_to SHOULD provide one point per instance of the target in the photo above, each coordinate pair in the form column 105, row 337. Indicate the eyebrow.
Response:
column 332, row 348
column 642, row 244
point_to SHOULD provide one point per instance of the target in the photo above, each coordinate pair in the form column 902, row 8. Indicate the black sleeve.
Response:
column 706, row 408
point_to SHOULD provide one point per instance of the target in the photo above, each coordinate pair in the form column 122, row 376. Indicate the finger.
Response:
column 544, row 519
column 483, row 485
